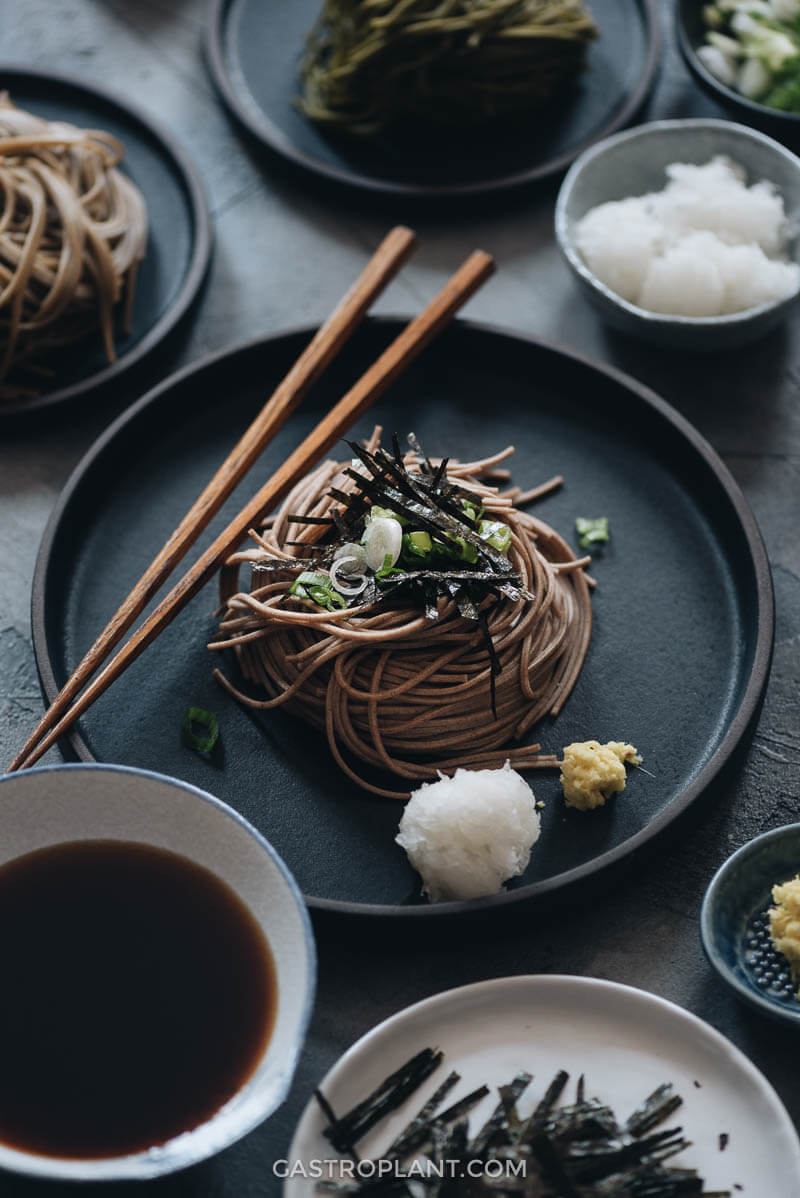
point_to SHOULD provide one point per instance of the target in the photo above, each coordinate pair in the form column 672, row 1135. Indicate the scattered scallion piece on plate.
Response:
column 591, row 531
column 197, row 718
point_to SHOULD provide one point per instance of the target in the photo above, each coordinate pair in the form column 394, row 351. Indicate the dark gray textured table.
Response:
column 285, row 249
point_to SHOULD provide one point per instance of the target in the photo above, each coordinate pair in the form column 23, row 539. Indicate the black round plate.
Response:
column 254, row 49
column 682, row 612
column 691, row 33
column 179, row 242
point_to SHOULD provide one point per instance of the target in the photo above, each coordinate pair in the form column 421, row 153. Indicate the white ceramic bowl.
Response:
column 59, row 804
column 632, row 163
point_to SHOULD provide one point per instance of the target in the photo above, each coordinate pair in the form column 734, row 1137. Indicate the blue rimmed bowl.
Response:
column 734, row 926
column 55, row 805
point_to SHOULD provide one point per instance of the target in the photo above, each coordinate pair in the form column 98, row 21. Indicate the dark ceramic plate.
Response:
column 254, row 50
column 179, row 241
column 691, row 33
column 683, row 608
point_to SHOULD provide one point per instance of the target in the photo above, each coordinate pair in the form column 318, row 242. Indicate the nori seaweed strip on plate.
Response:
column 496, row 1127
column 422, row 1135
column 543, row 1109
column 656, row 1107
column 406, row 1141
column 348, row 1130
column 574, row 1151
column 449, row 1150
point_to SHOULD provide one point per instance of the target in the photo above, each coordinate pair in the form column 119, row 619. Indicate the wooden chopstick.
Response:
column 390, row 255
column 402, row 351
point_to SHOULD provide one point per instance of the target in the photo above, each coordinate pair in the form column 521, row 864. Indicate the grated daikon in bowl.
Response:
column 706, row 245
column 683, row 232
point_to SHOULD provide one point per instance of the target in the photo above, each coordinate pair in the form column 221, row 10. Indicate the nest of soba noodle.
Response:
column 370, row 64
column 73, row 230
column 392, row 689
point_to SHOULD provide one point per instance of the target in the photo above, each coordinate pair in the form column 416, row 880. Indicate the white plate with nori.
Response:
column 625, row 1044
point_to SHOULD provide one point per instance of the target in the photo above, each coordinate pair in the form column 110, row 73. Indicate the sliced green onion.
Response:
column 317, row 587
column 416, row 548
column 388, row 568
column 591, row 531
column 382, row 536
column 496, row 534
column 386, row 513
column 455, row 549
column 420, row 542
column 196, row 716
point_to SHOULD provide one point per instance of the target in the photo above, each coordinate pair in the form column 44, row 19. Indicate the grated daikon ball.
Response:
column 468, row 834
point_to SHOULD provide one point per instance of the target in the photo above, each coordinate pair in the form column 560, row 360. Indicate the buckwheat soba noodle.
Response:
column 470, row 624
column 73, row 231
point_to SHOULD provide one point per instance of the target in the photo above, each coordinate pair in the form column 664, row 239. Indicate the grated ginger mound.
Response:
column 784, row 923
column 591, row 772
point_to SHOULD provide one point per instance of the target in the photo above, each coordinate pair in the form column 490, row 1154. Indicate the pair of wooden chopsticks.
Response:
column 79, row 692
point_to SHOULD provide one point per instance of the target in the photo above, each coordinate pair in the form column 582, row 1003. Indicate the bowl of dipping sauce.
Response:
column 736, row 929
column 158, row 974
column 674, row 271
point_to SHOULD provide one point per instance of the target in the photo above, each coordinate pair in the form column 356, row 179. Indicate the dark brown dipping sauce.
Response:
column 137, row 995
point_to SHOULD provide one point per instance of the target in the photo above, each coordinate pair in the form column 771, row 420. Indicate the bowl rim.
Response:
column 708, row 939
column 188, row 1148
column 663, row 319
column 728, row 94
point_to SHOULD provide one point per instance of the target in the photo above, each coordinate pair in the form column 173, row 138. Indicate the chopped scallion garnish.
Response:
column 197, row 718
column 317, row 587
column 591, row 531
column 496, row 533
column 377, row 513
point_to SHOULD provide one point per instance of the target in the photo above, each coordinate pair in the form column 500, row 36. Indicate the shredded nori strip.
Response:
column 417, row 1136
column 655, row 1108
column 574, row 1151
column 348, row 1130
column 551, row 1097
column 498, row 1121
column 420, row 1123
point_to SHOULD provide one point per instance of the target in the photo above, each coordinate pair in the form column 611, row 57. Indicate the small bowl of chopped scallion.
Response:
column 746, row 53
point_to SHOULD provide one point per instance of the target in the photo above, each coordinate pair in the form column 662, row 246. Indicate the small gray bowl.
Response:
column 633, row 163
column 734, row 928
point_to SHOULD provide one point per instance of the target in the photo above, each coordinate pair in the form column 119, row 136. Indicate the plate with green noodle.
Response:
column 465, row 128
column 682, row 614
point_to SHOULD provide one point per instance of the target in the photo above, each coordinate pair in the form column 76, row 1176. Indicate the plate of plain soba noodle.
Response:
column 519, row 562
column 104, row 242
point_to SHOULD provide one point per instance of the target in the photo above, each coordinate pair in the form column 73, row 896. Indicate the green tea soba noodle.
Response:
column 372, row 63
